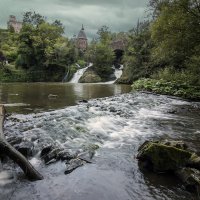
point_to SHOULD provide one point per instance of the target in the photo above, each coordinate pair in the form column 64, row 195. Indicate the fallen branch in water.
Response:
column 13, row 154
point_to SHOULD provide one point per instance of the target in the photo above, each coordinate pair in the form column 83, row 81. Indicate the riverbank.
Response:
column 118, row 131
column 53, row 73
column 172, row 88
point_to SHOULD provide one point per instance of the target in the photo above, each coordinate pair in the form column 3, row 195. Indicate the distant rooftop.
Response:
column 82, row 34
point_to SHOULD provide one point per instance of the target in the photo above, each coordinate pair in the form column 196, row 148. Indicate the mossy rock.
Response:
column 161, row 157
column 90, row 76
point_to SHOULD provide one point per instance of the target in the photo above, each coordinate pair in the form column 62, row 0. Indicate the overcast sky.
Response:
column 119, row 15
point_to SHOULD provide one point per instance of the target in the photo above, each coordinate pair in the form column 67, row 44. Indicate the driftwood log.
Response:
column 13, row 154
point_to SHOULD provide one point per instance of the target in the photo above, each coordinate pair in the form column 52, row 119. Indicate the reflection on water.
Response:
column 35, row 97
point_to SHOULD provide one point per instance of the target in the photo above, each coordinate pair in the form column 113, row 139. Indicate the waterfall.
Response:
column 118, row 73
column 79, row 73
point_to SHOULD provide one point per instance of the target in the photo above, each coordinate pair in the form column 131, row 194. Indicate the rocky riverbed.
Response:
column 108, row 132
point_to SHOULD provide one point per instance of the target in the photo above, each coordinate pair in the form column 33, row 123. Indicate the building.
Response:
column 13, row 23
column 82, row 40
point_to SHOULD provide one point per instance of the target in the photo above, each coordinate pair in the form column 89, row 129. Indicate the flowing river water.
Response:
column 117, row 124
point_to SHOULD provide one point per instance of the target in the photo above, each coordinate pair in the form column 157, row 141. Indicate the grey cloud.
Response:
column 119, row 15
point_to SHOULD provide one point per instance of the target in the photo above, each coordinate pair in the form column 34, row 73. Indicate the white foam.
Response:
column 6, row 177
column 79, row 73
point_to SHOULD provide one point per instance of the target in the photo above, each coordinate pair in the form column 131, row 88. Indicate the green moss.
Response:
column 163, row 157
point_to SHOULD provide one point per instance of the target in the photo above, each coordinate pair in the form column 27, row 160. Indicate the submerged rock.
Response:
column 191, row 178
column 26, row 148
column 13, row 140
column 46, row 150
column 74, row 164
column 52, row 156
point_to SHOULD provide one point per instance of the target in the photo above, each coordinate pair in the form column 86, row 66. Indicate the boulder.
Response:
column 174, row 156
column 164, row 156
column 90, row 76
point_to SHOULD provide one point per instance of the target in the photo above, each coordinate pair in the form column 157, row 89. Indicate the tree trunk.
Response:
column 13, row 154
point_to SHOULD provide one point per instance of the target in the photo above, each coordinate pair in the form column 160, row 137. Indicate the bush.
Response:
column 188, row 76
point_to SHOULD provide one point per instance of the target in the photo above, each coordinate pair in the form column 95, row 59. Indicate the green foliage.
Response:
column 33, row 18
column 103, row 60
column 174, row 88
column 54, row 73
column 170, row 74
column 104, row 35
column 175, row 33
column 137, row 55
column 81, row 63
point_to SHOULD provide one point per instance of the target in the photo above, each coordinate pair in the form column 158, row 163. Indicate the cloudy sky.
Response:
column 119, row 15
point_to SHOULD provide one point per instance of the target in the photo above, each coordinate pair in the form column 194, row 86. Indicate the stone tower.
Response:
column 82, row 40
column 17, row 26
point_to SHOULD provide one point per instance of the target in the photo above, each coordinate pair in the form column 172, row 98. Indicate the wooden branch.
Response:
column 15, row 155
column 2, row 118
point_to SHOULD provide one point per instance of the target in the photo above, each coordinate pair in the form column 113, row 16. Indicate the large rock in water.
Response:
column 174, row 156
column 90, row 76
column 166, row 156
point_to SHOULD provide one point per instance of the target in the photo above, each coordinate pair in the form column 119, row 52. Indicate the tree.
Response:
column 175, row 33
column 33, row 18
column 138, row 52
column 103, row 59
column 104, row 34
column 38, row 40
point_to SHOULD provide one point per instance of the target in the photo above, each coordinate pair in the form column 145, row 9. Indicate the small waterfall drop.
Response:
column 118, row 73
column 79, row 73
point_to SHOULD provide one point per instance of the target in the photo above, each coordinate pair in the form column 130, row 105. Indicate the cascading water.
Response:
column 118, row 73
column 79, row 73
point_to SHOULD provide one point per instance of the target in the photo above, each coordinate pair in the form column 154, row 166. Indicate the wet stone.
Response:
column 65, row 155
column 86, row 156
column 83, row 101
column 73, row 164
column 26, row 148
column 190, row 177
column 46, row 150
column 52, row 155
column 13, row 140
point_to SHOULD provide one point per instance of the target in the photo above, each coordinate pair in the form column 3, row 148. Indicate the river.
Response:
column 37, row 97
column 118, row 125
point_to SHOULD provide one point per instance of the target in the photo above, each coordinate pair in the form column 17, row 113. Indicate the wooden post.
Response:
column 15, row 155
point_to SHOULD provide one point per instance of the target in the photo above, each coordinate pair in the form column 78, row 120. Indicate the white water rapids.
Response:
column 118, row 125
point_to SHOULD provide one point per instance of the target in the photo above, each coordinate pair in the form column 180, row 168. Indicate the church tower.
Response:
column 82, row 40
